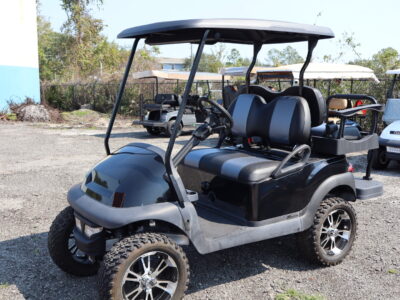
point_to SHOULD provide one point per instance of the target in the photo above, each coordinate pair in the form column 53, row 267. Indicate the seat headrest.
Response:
column 267, row 94
column 315, row 101
column 284, row 121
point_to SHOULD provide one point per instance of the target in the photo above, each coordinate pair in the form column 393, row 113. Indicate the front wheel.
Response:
column 380, row 160
column 63, row 249
column 145, row 266
column 332, row 235
column 153, row 130
column 171, row 127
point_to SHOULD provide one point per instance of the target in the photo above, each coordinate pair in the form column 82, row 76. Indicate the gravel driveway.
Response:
column 38, row 165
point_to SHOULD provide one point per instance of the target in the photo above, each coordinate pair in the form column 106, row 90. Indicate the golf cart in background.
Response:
column 231, row 91
column 389, row 140
column 317, row 72
column 326, row 73
column 159, row 114
column 135, row 208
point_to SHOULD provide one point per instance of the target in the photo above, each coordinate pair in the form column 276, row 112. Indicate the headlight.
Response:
column 89, row 231
column 78, row 224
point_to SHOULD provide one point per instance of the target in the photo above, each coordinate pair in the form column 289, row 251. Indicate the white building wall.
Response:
column 19, row 67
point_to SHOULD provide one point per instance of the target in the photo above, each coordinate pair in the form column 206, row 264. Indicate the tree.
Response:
column 85, row 33
column 234, row 59
column 286, row 56
column 348, row 43
column 51, row 48
column 385, row 59
column 209, row 62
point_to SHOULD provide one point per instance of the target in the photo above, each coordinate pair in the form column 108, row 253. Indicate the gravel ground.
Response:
column 38, row 165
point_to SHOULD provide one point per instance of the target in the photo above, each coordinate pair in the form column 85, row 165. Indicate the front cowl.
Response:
column 132, row 176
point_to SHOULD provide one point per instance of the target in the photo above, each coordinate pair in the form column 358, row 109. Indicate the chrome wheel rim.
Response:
column 153, row 275
column 336, row 232
column 77, row 254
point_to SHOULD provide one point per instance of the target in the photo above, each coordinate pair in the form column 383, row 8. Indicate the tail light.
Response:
column 358, row 103
column 350, row 168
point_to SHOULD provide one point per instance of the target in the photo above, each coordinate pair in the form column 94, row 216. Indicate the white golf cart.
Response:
column 158, row 114
column 389, row 141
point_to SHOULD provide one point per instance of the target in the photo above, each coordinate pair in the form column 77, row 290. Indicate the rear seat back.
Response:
column 285, row 121
column 170, row 99
column 314, row 98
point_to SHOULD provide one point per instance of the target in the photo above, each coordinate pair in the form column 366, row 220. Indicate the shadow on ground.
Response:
column 25, row 262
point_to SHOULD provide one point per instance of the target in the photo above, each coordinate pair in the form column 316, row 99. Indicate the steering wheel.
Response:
column 228, row 124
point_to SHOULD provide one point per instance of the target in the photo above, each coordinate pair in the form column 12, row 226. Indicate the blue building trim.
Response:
column 18, row 83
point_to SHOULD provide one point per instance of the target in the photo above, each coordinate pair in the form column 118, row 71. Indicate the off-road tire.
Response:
column 309, row 240
column 153, row 130
column 170, row 128
column 126, row 251
column 57, row 243
column 379, row 159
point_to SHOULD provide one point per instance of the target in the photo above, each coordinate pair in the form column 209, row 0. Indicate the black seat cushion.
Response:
column 349, row 133
column 286, row 121
column 232, row 164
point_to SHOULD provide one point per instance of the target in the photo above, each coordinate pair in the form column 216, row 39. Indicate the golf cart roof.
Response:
column 240, row 31
column 319, row 71
column 239, row 71
column 393, row 72
column 176, row 75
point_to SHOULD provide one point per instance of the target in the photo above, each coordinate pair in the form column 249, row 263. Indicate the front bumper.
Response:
column 93, row 245
column 149, row 123
column 112, row 217
column 393, row 155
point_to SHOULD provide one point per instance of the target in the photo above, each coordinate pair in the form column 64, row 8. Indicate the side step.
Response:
column 367, row 189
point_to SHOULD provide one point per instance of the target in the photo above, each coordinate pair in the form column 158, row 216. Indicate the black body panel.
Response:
column 133, row 176
column 270, row 198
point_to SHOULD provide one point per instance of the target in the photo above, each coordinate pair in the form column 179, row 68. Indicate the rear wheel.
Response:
column 171, row 128
column 332, row 235
column 380, row 160
column 153, row 130
column 63, row 249
column 145, row 266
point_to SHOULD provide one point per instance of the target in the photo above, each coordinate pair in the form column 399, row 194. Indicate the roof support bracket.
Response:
column 311, row 45
column 256, row 49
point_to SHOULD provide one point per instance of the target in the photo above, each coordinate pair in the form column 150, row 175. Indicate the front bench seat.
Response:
column 284, row 122
column 231, row 163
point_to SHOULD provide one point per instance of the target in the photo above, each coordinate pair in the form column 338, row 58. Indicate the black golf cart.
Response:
column 160, row 114
column 136, row 207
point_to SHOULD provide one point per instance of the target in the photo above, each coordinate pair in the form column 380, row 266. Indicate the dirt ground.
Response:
column 39, row 164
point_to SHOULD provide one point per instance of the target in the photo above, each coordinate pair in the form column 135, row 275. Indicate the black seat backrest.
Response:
column 193, row 100
column 314, row 98
column 229, row 95
column 285, row 121
column 315, row 101
column 170, row 99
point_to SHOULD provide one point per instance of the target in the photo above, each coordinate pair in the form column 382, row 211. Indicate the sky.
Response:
column 373, row 23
